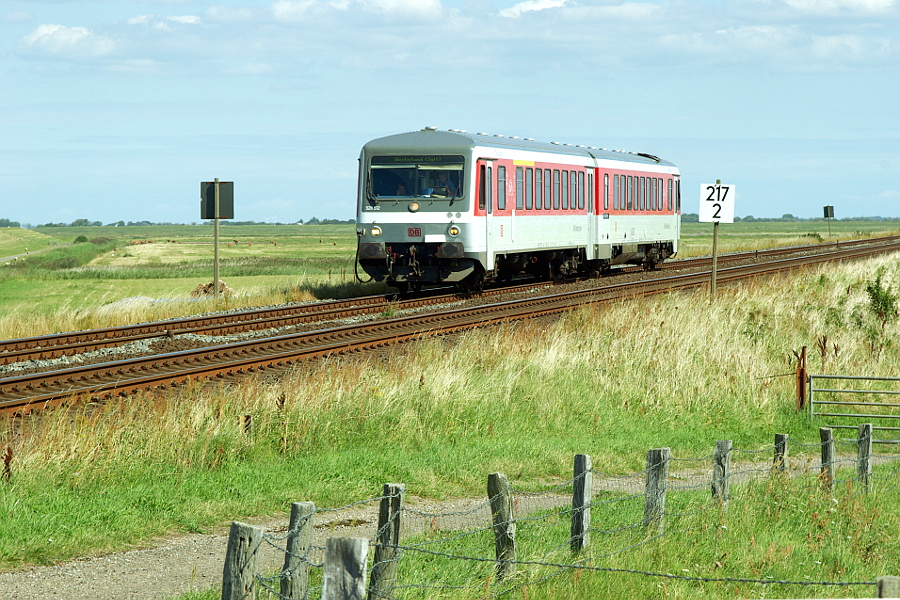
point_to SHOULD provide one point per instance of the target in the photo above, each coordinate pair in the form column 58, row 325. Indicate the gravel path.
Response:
column 178, row 564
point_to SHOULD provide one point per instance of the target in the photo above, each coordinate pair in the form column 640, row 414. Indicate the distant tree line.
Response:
column 8, row 223
column 88, row 223
column 785, row 218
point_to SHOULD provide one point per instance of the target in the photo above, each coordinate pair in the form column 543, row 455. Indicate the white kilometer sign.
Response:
column 717, row 203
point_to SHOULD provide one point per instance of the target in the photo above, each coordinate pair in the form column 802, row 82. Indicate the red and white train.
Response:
column 453, row 207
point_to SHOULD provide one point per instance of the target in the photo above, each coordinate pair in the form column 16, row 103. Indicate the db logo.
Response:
column 414, row 232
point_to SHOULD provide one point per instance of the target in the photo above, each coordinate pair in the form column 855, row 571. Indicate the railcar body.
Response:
column 453, row 207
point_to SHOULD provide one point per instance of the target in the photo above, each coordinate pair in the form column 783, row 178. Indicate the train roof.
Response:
column 458, row 140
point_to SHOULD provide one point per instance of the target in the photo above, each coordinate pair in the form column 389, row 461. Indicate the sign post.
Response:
column 216, row 202
column 829, row 215
column 716, row 206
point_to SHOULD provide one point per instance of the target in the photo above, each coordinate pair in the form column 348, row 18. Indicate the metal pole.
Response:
column 715, row 257
column 216, row 245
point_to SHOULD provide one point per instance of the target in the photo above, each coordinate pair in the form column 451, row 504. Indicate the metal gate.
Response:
column 851, row 400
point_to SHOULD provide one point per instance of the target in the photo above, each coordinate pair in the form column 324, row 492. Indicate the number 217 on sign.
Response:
column 717, row 203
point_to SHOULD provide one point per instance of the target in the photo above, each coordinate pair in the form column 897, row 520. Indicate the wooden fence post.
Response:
column 780, row 461
column 504, row 523
column 387, row 556
column 239, row 575
column 826, row 435
column 655, row 488
column 888, row 587
column 344, row 577
column 295, row 572
column 801, row 380
column 864, row 453
column 581, row 503
column 721, row 470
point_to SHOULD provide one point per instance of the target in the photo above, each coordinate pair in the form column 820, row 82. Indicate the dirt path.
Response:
column 178, row 564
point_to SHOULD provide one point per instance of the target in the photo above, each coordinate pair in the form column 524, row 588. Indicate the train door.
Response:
column 591, row 218
column 486, row 203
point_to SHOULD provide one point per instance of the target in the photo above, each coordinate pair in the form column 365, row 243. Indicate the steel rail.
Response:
column 23, row 393
column 69, row 344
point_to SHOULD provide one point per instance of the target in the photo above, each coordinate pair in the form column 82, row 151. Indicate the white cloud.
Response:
column 831, row 6
column 69, row 41
column 228, row 14
column 300, row 10
column 186, row 20
column 293, row 10
column 250, row 69
column 531, row 5
column 21, row 16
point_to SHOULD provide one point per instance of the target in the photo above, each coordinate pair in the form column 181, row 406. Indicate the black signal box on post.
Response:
column 208, row 200
column 829, row 212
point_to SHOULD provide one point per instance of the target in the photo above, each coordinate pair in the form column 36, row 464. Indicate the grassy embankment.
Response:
column 438, row 416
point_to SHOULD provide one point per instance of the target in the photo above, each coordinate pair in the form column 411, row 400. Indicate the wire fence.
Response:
column 517, row 539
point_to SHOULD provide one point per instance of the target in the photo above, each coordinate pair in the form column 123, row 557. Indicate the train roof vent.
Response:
column 555, row 143
column 430, row 128
column 650, row 156
column 499, row 135
column 482, row 133
column 529, row 139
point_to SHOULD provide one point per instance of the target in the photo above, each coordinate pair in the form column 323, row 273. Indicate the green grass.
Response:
column 523, row 399
column 612, row 382
column 697, row 238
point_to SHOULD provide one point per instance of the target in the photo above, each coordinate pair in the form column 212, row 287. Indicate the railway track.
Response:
column 20, row 394
column 79, row 342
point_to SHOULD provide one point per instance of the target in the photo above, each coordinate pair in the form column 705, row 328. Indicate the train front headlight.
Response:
column 375, row 231
column 413, row 207
column 454, row 230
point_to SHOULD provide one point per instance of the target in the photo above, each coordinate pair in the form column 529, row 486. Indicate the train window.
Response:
column 529, row 197
column 669, row 196
column 581, row 190
column 490, row 189
column 678, row 195
column 520, row 192
column 548, row 190
column 630, row 192
column 651, row 184
column 590, row 190
column 617, row 192
column 538, row 189
column 643, row 193
column 573, row 190
column 659, row 204
column 565, row 190
column 434, row 176
column 556, row 189
column 606, row 191
column 501, row 188
column 482, row 186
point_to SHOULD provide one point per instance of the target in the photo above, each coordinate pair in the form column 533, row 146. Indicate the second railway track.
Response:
column 25, row 392
column 79, row 342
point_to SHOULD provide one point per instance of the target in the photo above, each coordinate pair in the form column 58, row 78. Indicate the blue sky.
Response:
column 118, row 109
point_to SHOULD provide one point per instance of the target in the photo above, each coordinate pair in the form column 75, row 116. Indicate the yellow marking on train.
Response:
column 524, row 163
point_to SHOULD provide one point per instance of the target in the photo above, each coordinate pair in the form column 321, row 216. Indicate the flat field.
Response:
column 63, row 282
column 260, row 263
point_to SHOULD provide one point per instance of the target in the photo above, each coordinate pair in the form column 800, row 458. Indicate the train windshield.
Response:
column 439, row 177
